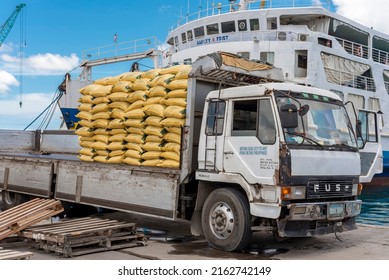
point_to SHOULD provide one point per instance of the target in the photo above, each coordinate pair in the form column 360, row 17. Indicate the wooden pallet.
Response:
column 82, row 236
column 14, row 255
column 29, row 213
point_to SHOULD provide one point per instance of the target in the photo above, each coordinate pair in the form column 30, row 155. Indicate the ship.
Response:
column 313, row 46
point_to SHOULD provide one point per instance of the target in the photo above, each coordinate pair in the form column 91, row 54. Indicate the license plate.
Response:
column 336, row 210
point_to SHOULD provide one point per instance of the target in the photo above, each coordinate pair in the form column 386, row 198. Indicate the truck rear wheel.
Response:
column 11, row 199
column 226, row 220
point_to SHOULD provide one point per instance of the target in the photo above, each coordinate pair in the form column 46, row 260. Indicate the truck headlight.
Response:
column 357, row 189
column 292, row 192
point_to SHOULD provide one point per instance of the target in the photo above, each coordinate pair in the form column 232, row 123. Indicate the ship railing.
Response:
column 380, row 56
column 216, row 8
column 349, row 79
column 354, row 48
column 120, row 48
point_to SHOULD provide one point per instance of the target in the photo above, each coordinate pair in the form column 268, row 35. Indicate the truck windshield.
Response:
column 324, row 124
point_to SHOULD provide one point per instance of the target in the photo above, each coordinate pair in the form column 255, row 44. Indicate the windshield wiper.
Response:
column 344, row 145
column 310, row 140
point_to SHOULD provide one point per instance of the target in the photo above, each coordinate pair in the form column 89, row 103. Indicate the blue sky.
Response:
column 57, row 31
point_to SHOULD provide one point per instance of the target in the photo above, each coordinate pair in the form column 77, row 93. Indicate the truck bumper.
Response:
column 308, row 219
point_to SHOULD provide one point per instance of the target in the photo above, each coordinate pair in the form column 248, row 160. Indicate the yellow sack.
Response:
column 83, row 115
column 136, row 105
column 99, row 100
column 117, row 131
column 116, row 153
column 88, row 89
column 177, row 93
column 132, row 161
column 101, row 138
column 101, row 115
column 173, row 129
column 153, row 100
column 134, row 123
column 86, row 144
column 130, row 76
column 99, row 145
column 118, row 114
column 102, row 152
column 151, row 74
column 101, row 159
column 117, row 138
column 174, row 102
column 115, row 146
column 154, row 110
column 100, row 123
column 134, row 146
column 151, row 162
column 157, row 91
column 173, row 122
column 152, row 146
column 84, row 131
column 86, row 99
column 83, row 138
column 154, row 121
column 171, row 155
column 161, row 80
column 118, row 96
column 85, row 107
column 102, row 107
column 116, row 123
column 177, row 84
column 135, row 130
column 183, row 74
column 85, row 158
column 85, row 123
column 123, row 105
column 101, row 91
column 134, row 138
column 151, row 155
column 177, row 112
column 155, row 130
column 172, row 137
column 174, row 69
column 115, row 159
column 168, row 163
column 137, row 95
column 102, row 81
column 101, row 131
column 171, row 147
column 123, row 86
column 153, row 138
column 141, row 84
column 87, row 152
column 133, row 154
column 135, row 114
column 112, row 80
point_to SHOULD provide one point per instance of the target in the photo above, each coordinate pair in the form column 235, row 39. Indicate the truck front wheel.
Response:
column 226, row 220
column 11, row 199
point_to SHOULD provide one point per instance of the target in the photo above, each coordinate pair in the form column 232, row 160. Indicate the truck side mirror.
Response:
column 288, row 115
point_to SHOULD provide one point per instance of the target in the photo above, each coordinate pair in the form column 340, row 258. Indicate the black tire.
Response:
column 226, row 220
column 12, row 199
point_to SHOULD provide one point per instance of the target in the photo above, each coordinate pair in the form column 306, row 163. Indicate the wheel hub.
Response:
column 222, row 220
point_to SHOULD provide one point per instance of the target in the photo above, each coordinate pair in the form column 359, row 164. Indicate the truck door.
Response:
column 251, row 143
column 369, row 142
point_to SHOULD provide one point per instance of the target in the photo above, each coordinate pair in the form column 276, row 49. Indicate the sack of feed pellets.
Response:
column 161, row 80
column 85, row 123
column 100, row 123
column 83, row 115
column 168, row 163
column 84, row 131
column 177, row 93
column 183, row 74
column 153, row 138
column 118, row 96
column 135, row 114
column 99, row 145
column 102, row 153
column 151, row 162
column 101, row 159
column 137, row 95
column 134, row 146
column 155, row 130
column 118, row 114
column 123, row 105
column 86, row 151
column 134, row 138
column 133, row 154
column 122, row 86
column 173, row 129
column 101, row 91
column 101, row 131
column 83, row 138
column 177, row 112
column 85, row 158
column 174, row 102
column 99, row 100
column 157, row 91
column 171, row 155
column 154, row 110
column 116, row 123
column 177, row 84
column 135, row 130
column 173, row 122
column 85, row 99
column 115, row 146
column 112, row 80
column 85, row 107
column 151, row 155
column 117, row 138
column 135, row 105
column 154, row 121
column 132, row 161
column 115, row 159
column 140, row 84
column 150, row 74
column 130, row 76
column 101, row 115
column 174, row 69
column 153, row 100
column 116, row 153
column 152, row 146
column 172, row 137
column 117, row 131
column 88, row 89
column 101, row 138
column 134, row 123
column 102, row 107
column 171, row 147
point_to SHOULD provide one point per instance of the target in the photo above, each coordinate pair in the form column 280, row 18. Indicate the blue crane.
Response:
column 7, row 26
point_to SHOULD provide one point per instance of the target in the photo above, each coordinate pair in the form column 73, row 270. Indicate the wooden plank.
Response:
column 14, row 255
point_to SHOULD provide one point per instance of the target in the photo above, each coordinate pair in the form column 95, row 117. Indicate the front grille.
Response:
column 329, row 189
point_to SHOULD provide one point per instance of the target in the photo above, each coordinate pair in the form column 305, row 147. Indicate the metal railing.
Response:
column 354, row 48
column 123, row 48
column 350, row 79
column 380, row 56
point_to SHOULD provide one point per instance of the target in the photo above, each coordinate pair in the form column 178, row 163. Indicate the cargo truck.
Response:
column 256, row 153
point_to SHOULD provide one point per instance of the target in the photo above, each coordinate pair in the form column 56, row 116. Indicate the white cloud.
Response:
column 40, row 64
column 372, row 13
column 7, row 80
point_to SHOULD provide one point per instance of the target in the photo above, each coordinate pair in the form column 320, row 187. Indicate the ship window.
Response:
column 188, row 61
column 302, row 61
column 386, row 80
column 228, row 26
column 267, row 57
column 242, row 25
column 301, row 64
column 176, row 41
column 272, row 23
column 357, row 100
column 380, row 50
column 170, row 41
column 190, row 35
column 183, row 38
column 212, row 29
column 254, row 24
column 325, row 42
column 199, row 32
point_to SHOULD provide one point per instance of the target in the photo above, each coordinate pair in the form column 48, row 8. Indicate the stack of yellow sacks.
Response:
column 134, row 118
